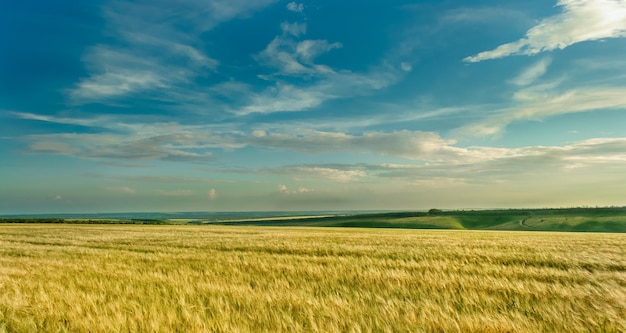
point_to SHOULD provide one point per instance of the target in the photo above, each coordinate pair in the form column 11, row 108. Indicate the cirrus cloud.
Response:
column 581, row 20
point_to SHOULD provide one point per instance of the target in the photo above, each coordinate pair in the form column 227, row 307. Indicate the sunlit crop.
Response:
column 118, row 278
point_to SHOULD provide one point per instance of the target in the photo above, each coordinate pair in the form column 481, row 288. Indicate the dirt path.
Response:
column 523, row 223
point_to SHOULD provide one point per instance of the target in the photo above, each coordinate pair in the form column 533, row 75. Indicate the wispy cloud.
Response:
column 172, row 147
column 156, row 49
column 284, row 97
column 212, row 194
column 308, row 172
column 294, row 29
column 157, row 179
column 282, row 188
column 121, row 189
column 542, row 101
column 407, row 144
column 532, row 73
column 175, row 193
column 295, row 7
column 118, row 138
column 176, row 142
column 581, row 20
column 118, row 73
column 482, row 15
column 531, row 161
column 292, row 57
column 481, row 166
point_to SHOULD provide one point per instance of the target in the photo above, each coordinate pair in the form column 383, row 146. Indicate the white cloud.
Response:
column 122, row 189
column 127, row 141
column 412, row 145
column 294, row 29
column 175, row 193
column 405, row 66
column 282, row 188
column 259, row 133
column 296, row 58
column 542, row 101
column 123, row 74
column 117, row 146
column 212, row 194
column 337, row 175
column 295, row 7
column 285, row 97
column 504, row 162
column 302, row 189
column 532, row 73
column 292, row 58
column 160, row 48
column 581, row 20
column 506, row 168
column 482, row 15
column 58, row 197
column 308, row 50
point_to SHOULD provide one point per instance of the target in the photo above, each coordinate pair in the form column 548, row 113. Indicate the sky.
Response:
column 252, row 105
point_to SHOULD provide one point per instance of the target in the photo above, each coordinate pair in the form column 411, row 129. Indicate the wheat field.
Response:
column 133, row 278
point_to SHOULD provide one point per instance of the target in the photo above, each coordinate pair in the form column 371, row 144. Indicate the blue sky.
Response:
column 238, row 105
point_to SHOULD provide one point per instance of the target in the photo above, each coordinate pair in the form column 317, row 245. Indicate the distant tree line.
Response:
column 81, row 221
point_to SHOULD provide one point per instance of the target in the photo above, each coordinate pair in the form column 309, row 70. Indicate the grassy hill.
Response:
column 575, row 219
column 571, row 219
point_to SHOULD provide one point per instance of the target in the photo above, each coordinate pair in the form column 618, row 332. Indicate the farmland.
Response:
column 213, row 278
column 574, row 219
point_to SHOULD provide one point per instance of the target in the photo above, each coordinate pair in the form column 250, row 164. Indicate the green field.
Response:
column 575, row 219
column 167, row 278
column 607, row 219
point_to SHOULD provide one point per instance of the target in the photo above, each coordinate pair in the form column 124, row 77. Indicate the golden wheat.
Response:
column 91, row 278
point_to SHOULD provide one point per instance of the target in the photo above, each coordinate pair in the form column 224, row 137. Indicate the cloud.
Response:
column 88, row 122
column 172, row 147
column 122, row 189
column 580, row 20
column 127, row 141
column 212, row 194
column 532, row 73
column 509, row 169
column 282, row 188
column 482, row 15
column 293, row 58
column 308, row 50
column 127, row 138
column 293, row 29
column 283, row 97
column 118, row 73
column 259, row 133
column 58, row 197
column 156, row 179
column 175, row 193
column 302, row 172
column 407, row 144
column 508, row 163
column 541, row 101
column 156, row 47
column 302, row 189
column 295, row 7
